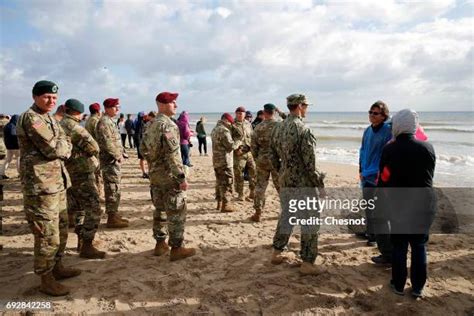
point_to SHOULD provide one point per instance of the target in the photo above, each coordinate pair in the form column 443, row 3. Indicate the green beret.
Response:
column 44, row 86
column 269, row 107
column 297, row 98
column 75, row 105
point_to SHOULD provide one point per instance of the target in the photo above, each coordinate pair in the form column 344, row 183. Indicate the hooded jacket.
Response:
column 9, row 134
column 184, row 128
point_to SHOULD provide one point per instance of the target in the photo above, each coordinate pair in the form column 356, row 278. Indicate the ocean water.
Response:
column 339, row 136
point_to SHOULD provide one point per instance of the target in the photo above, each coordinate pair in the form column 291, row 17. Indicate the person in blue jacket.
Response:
column 375, row 137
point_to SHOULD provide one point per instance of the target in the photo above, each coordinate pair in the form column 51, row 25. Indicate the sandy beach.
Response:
column 231, row 273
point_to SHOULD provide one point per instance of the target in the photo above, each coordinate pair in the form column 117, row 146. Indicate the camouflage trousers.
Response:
column 111, row 175
column 309, row 233
column 173, row 202
column 47, row 217
column 240, row 162
column 83, row 201
column 99, row 182
column 224, row 179
column 263, row 175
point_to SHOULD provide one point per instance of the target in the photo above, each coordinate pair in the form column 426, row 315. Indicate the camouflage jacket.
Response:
column 43, row 148
column 108, row 138
column 261, row 141
column 294, row 153
column 222, row 146
column 84, row 148
column 242, row 131
column 160, row 147
column 3, row 149
column 91, row 124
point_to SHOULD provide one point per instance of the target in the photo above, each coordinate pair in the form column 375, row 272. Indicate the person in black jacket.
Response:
column 11, row 143
column 406, row 188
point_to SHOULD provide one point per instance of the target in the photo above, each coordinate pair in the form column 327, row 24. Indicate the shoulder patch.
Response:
column 37, row 124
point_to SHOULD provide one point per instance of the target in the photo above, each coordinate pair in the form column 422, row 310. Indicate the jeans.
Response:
column 418, row 269
column 185, row 154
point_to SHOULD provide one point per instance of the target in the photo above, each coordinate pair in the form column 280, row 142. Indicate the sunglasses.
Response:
column 374, row 113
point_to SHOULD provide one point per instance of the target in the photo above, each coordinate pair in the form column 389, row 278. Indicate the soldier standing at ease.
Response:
column 242, row 155
column 294, row 154
column 261, row 151
column 167, row 178
column 81, row 167
column 111, row 156
column 91, row 124
column 222, row 147
column 44, row 179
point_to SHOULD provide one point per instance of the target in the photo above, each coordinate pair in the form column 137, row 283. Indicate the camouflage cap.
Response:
column 297, row 98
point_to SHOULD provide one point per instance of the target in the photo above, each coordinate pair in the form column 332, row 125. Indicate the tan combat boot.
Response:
column 50, row 286
column 251, row 196
column 227, row 207
column 308, row 268
column 240, row 198
column 277, row 257
column 90, row 252
column 161, row 248
column 116, row 221
column 219, row 204
column 178, row 253
column 61, row 272
column 256, row 217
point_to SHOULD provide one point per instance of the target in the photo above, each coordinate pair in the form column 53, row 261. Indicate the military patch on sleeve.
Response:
column 37, row 124
column 169, row 135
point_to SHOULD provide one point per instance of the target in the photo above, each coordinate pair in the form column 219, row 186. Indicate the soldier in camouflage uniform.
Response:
column 222, row 160
column 44, row 179
column 90, row 126
column 261, row 151
column 81, row 167
column 111, row 156
column 160, row 146
column 294, row 155
column 242, row 156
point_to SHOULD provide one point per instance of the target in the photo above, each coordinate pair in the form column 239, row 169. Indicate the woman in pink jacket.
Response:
column 185, row 134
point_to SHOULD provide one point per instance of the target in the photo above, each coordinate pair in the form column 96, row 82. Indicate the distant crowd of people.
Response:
column 68, row 160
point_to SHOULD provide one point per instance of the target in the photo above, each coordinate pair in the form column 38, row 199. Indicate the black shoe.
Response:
column 394, row 289
column 381, row 260
column 4, row 177
column 146, row 176
column 190, row 165
column 371, row 243
column 416, row 293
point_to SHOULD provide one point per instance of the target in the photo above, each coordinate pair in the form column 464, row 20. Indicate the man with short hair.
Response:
column 222, row 147
column 261, row 151
column 81, row 167
column 43, row 149
column 294, row 153
column 160, row 146
column 111, row 156
column 242, row 156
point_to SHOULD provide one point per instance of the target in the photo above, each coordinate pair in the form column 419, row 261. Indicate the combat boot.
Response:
column 240, row 198
column 256, row 217
column 116, row 221
column 277, row 257
column 50, row 286
column 90, row 252
column 251, row 196
column 178, row 253
column 161, row 248
column 61, row 272
column 310, row 269
column 227, row 208
column 219, row 205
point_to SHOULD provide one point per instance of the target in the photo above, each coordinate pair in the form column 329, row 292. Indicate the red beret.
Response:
column 94, row 107
column 228, row 117
column 240, row 109
column 110, row 102
column 166, row 97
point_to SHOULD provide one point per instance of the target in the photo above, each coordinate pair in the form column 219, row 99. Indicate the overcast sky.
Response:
column 343, row 55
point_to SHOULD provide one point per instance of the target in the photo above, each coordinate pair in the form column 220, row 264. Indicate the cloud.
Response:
column 245, row 52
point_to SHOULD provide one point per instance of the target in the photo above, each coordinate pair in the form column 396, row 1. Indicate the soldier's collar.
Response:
column 72, row 117
column 37, row 109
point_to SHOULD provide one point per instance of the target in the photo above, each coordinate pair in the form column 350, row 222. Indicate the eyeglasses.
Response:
column 374, row 113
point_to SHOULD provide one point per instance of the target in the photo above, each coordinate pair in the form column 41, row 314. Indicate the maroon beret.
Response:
column 94, row 107
column 228, row 117
column 166, row 97
column 240, row 109
column 110, row 102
